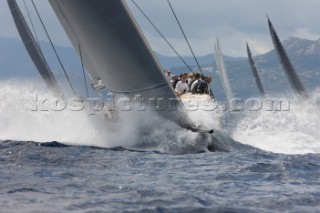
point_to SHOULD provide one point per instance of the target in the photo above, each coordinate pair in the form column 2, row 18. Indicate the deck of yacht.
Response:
column 196, row 102
column 195, row 97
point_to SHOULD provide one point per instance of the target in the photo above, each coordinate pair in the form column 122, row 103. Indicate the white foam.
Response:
column 289, row 132
column 19, row 122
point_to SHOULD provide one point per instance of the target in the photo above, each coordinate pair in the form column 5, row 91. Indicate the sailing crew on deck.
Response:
column 195, row 77
column 193, row 87
column 168, row 74
column 190, row 78
column 203, row 86
column 174, row 80
column 182, row 86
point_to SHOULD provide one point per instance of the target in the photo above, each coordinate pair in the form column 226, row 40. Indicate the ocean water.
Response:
column 63, row 161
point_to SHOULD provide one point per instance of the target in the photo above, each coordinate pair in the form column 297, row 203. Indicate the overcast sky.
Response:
column 233, row 21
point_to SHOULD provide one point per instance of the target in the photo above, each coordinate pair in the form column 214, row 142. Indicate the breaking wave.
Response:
column 23, row 120
column 294, row 131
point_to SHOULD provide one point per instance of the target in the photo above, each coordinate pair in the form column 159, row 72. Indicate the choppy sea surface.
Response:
column 265, row 161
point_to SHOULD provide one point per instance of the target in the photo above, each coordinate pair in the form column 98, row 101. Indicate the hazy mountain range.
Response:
column 305, row 56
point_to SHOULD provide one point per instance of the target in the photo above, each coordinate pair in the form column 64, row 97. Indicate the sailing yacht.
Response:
column 224, row 74
column 286, row 64
column 116, row 53
column 255, row 73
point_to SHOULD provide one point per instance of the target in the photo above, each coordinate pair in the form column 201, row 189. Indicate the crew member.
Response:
column 182, row 86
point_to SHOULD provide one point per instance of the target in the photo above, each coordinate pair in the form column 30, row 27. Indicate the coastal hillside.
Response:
column 305, row 54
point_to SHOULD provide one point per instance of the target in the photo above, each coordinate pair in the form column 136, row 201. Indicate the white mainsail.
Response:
column 223, row 73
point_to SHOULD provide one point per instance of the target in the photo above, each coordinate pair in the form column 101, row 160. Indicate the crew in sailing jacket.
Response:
column 182, row 86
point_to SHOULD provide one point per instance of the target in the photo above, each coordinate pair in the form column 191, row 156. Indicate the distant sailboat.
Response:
column 116, row 53
column 33, row 49
column 291, row 74
column 223, row 73
column 255, row 72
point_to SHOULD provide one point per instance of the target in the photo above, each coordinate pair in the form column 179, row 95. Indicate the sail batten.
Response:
column 286, row 64
column 33, row 48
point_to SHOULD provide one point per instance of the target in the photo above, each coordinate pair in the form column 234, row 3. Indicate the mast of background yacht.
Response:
column 286, row 64
column 223, row 72
column 33, row 49
column 255, row 72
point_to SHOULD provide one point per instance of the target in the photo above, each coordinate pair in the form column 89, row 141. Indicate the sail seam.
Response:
column 140, row 90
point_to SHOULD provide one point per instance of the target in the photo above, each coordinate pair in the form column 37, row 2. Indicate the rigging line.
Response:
column 166, row 40
column 140, row 90
column 84, row 74
column 194, row 56
column 33, row 28
column 54, row 49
